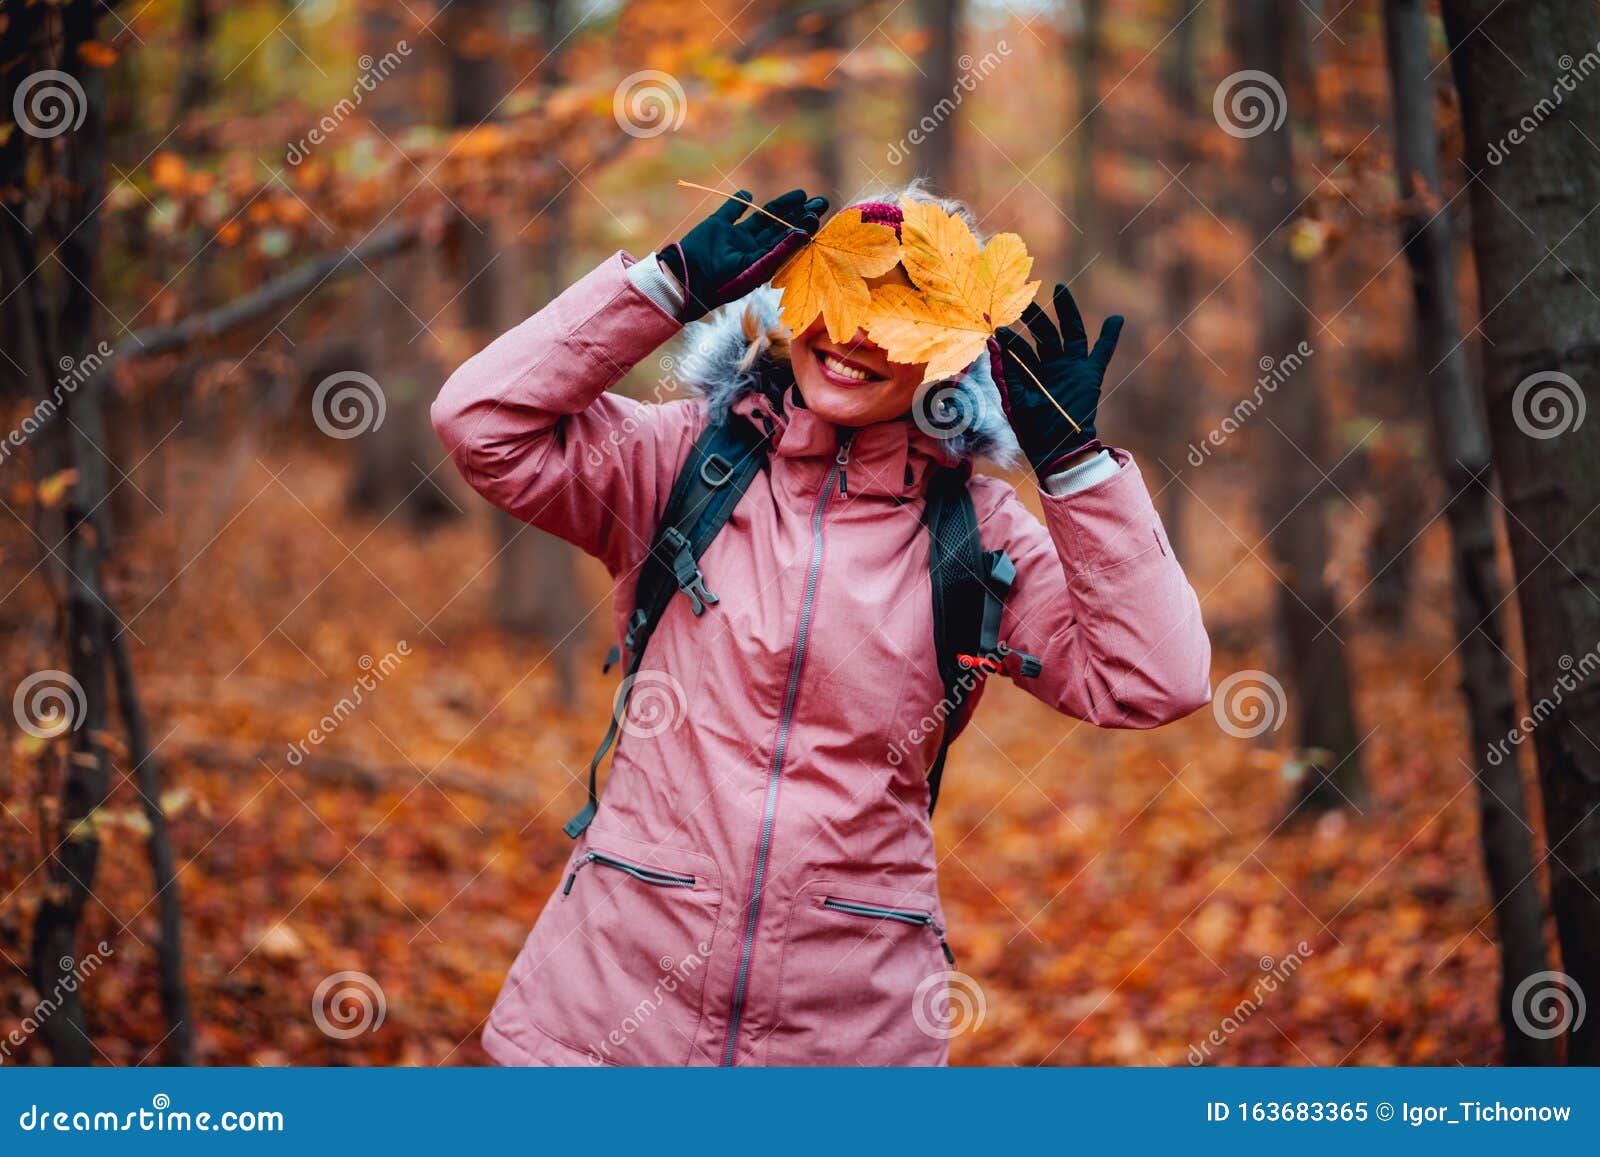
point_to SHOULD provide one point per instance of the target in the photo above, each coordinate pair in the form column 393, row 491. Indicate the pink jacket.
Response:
column 759, row 885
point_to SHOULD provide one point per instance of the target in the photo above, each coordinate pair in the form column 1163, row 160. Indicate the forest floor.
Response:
column 1114, row 896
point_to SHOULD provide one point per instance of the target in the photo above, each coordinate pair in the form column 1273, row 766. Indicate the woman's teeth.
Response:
column 844, row 369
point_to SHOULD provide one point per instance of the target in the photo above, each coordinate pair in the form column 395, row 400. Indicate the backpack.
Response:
column 969, row 585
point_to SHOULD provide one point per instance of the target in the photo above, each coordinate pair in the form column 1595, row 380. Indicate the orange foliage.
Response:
column 1112, row 895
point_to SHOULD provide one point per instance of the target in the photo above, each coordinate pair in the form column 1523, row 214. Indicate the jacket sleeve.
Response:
column 530, row 426
column 1102, row 602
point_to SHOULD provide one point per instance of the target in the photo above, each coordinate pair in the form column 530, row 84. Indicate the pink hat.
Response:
column 880, row 213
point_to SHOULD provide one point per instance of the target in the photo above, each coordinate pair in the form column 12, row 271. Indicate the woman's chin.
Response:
column 842, row 407
column 845, row 405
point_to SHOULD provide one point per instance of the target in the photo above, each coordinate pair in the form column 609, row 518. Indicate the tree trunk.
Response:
column 179, row 1042
column 1182, row 379
column 1085, row 72
column 1461, row 451
column 536, row 588
column 824, row 125
column 397, row 458
column 71, row 866
column 538, row 593
column 475, row 87
column 28, row 366
column 194, row 78
column 936, row 90
column 1291, row 488
column 65, row 328
column 1401, row 516
column 1536, row 239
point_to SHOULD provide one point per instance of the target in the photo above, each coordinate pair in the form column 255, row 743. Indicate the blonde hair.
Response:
column 761, row 338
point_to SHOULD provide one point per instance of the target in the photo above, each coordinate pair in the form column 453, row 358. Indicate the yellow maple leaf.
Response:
column 939, row 252
column 829, row 275
column 962, row 294
column 54, row 488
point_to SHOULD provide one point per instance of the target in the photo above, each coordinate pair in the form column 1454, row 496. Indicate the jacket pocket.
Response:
column 862, row 977
column 900, row 915
column 616, row 966
column 641, row 872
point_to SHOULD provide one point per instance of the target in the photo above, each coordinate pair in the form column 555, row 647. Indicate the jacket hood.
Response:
column 717, row 360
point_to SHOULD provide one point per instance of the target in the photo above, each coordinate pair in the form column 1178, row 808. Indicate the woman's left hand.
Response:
column 1056, row 422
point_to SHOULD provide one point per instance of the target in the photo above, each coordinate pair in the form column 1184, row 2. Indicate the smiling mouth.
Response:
column 842, row 371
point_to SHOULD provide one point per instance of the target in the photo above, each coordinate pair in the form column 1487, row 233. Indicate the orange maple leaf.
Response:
column 829, row 275
column 96, row 54
column 962, row 293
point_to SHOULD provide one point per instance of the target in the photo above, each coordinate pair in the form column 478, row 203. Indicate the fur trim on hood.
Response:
column 718, row 361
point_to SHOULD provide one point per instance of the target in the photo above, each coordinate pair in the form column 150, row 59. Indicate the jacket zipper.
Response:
column 904, row 916
column 764, row 846
column 649, row 875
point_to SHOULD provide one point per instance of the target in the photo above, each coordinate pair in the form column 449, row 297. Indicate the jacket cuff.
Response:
column 1082, row 475
column 1107, row 523
column 656, row 282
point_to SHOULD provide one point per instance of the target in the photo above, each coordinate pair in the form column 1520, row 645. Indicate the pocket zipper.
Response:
column 649, row 875
column 904, row 916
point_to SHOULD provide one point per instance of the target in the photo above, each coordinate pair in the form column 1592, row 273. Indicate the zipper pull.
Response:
column 950, row 957
column 842, row 459
column 578, row 867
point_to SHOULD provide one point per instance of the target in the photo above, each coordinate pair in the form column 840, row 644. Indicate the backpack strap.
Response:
column 724, row 458
column 969, row 587
column 955, row 560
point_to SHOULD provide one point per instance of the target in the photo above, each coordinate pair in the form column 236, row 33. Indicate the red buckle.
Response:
column 983, row 661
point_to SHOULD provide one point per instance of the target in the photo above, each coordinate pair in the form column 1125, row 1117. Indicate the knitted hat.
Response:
column 880, row 213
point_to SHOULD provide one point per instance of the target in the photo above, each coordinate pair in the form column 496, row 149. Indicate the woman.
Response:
column 758, row 885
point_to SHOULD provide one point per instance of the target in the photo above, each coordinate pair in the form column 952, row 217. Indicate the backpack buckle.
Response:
column 636, row 623
column 1028, row 666
column 686, row 571
column 718, row 481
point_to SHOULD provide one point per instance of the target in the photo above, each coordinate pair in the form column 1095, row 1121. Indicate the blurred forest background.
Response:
column 296, row 720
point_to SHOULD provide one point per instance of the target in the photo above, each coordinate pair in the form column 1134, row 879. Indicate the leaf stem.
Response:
column 736, row 197
column 1077, row 429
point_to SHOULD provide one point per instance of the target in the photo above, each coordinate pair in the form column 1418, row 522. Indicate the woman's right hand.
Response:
column 723, row 258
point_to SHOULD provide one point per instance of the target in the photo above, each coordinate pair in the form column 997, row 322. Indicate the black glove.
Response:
column 1069, row 371
column 724, row 258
